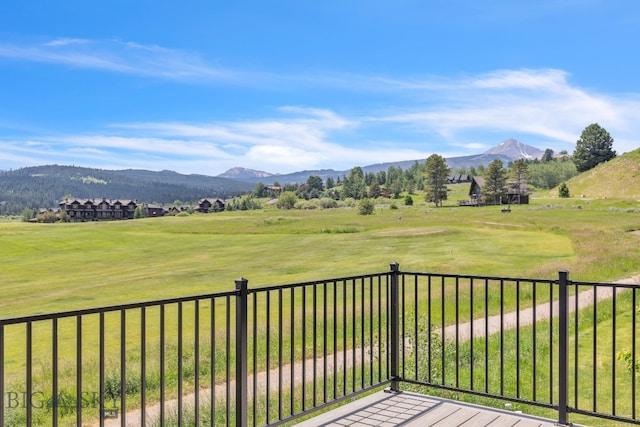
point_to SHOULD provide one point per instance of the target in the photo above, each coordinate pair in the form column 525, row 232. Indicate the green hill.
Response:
column 618, row 178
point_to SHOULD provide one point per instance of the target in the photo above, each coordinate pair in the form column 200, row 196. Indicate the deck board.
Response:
column 482, row 418
column 415, row 410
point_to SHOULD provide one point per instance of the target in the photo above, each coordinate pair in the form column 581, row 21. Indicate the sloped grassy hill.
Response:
column 617, row 178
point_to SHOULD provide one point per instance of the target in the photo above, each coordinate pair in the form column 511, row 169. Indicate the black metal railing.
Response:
column 565, row 346
column 271, row 355
column 258, row 356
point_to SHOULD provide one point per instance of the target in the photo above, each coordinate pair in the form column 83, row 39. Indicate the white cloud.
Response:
column 540, row 103
column 121, row 57
column 66, row 42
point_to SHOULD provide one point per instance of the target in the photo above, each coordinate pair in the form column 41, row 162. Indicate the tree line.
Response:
column 432, row 177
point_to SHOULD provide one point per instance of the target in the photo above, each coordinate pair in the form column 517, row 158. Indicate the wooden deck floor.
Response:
column 414, row 410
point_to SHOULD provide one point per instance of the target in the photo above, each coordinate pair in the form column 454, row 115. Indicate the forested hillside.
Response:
column 45, row 186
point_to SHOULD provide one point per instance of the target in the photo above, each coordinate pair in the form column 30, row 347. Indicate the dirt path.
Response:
column 543, row 312
column 493, row 325
column 340, row 361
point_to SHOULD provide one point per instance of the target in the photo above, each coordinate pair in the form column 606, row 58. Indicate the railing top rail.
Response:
column 478, row 277
column 606, row 284
column 316, row 282
column 111, row 308
column 152, row 303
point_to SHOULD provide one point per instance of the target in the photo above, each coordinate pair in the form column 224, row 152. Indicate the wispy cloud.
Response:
column 542, row 104
column 66, row 42
column 121, row 57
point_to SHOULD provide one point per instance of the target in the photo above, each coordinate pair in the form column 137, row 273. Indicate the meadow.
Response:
column 54, row 267
column 59, row 267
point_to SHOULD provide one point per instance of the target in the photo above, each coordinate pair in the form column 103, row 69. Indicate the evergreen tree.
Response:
column 395, row 188
column 436, row 175
column 495, row 181
column 314, row 182
column 258, row 191
column 593, row 147
column 519, row 177
column 354, row 184
column 314, row 187
column 330, row 183
column 563, row 190
column 547, row 156
column 374, row 190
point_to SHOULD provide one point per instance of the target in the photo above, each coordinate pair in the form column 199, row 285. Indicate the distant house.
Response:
column 475, row 193
column 475, row 190
column 104, row 209
column 476, row 197
column 174, row 210
column 385, row 193
column 459, row 178
column 210, row 205
column 272, row 190
column 98, row 209
column 154, row 211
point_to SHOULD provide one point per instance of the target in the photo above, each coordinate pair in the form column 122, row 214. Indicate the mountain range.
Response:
column 507, row 151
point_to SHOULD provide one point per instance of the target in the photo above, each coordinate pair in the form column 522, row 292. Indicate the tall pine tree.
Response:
column 593, row 147
column 436, row 177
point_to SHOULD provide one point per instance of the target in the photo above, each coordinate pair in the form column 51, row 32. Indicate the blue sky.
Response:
column 290, row 85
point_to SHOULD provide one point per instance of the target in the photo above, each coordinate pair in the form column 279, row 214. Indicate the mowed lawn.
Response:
column 56, row 267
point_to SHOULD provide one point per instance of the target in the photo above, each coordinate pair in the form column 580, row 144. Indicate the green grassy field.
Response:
column 53, row 267
column 57, row 267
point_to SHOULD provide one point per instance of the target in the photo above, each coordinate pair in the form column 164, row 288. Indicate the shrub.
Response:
column 306, row 205
column 48, row 217
column 28, row 214
column 327, row 203
column 366, row 207
column 287, row 200
column 350, row 202
column 563, row 190
column 244, row 203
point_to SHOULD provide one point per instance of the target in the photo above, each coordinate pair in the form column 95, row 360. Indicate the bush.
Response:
column 244, row 203
column 28, row 214
column 306, row 205
column 408, row 200
column 327, row 203
column 287, row 200
column 563, row 190
column 366, row 207
column 48, row 217
column 349, row 202
column 64, row 217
